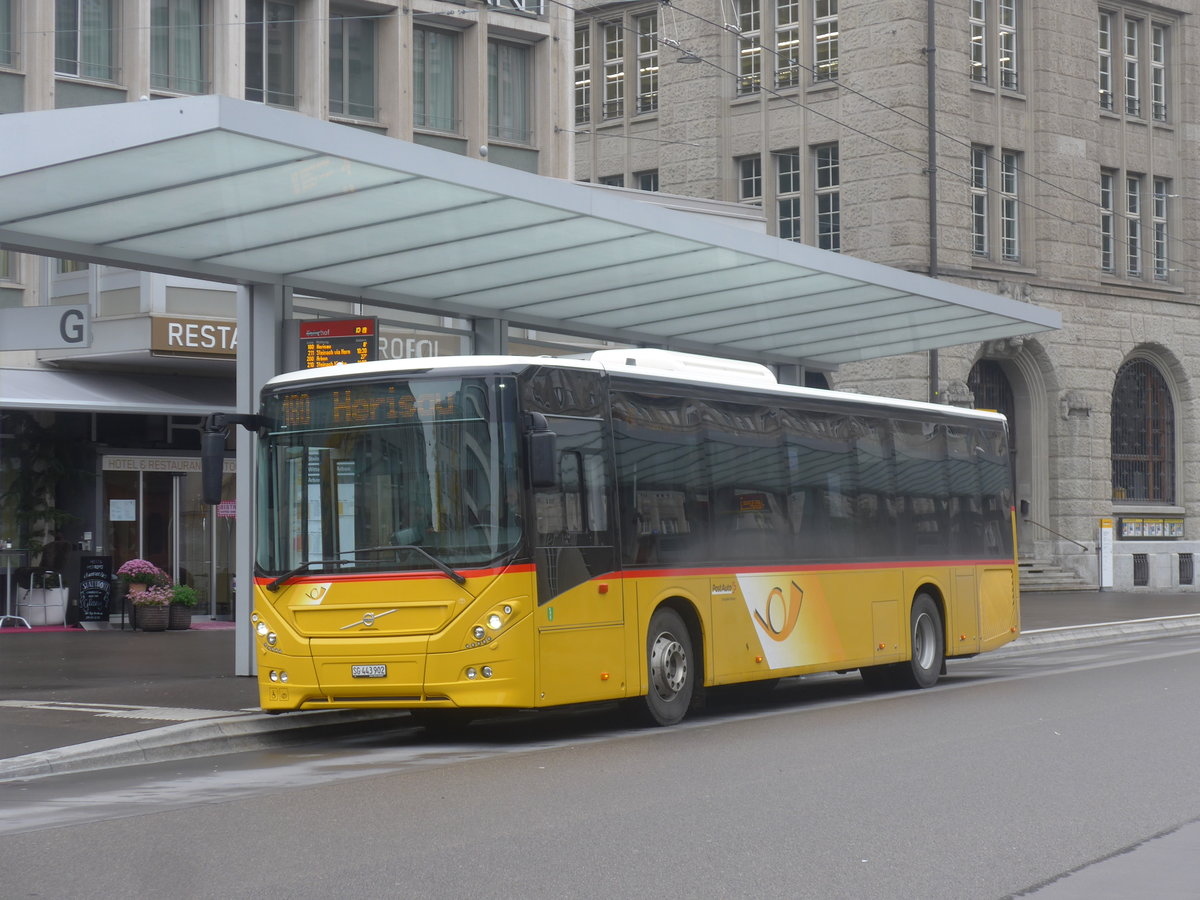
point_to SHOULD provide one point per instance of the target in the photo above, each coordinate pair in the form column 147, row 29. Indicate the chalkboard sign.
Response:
column 95, row 588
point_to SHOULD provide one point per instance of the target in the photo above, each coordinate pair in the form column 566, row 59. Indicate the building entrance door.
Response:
column 152, row 509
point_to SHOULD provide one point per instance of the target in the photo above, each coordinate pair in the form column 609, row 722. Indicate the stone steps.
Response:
column 1043, row 576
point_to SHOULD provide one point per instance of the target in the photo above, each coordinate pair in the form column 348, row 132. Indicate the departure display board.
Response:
column 327, row 342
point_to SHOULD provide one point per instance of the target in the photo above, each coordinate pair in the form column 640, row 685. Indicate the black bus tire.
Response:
column 670, row 668
column 928, row 642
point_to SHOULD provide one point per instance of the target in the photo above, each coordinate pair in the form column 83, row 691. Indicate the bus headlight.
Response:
column 494, row 622
column 261, row 628
column 479, row 633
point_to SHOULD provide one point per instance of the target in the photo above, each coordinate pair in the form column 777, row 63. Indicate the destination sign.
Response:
column 326, row 342
column 363, row 404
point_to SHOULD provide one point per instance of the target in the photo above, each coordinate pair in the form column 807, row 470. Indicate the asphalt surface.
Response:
column 74, row 700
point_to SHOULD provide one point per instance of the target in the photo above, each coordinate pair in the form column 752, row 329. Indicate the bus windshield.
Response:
column 388, row 475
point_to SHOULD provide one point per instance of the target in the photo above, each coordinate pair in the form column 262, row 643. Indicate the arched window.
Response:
column 1143, row 434
column 991, row 389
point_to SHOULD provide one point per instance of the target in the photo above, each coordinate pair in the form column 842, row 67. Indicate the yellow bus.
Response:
column 477, row 533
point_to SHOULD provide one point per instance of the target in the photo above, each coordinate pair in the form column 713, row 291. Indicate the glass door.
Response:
column 153, row 510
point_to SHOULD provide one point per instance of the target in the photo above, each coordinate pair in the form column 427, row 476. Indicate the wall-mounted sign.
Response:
column 45, row 327
column 177, row 336
column 118, row 463
column 325, row 342
column 1149, row 528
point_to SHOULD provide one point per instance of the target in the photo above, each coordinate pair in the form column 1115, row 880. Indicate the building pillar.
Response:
column 262, row 310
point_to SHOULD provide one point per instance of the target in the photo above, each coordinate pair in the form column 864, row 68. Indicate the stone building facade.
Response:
column 1053, row 148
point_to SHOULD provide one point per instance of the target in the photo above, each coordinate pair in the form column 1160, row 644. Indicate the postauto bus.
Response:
column 458, row 535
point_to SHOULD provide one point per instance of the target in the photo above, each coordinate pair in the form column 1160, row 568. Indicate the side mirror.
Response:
column 212, row 465
column 541, row 450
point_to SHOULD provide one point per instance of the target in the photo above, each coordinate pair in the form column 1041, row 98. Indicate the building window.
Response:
column 825, row 39
column 529, row 7
column 509, row 92
column 999, row 175
column 178, row 48
column 435, row 80
column 994, row 36
column 1106, row 62
column 787, row 194
column 1009, row 206
column 750, row 187
column 614, row 70
column 647, row 181
column 352, row 67
column 979, row 201
column 1158, row 72
column 749, row 46
column 85, row 39
column 1133, row 226
column 583, row 75
column 1158, row 218
column 64, row 266
column 8, row 265
column 1144, row 57
column 978, row 26
column 626, row 68
column 612, row 180
column 8, row 46
column 271, row 52
column 1008, row 44
column 787, row 43
column 1143, row 435
column 647, row 62
column 1107, row 222
column 828, row 196
column 1133, row 99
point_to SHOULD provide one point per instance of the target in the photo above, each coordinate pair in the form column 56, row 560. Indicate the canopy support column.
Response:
column 262, row 310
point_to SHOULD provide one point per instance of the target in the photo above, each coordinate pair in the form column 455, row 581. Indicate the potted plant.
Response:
column 139, row 574
column 153, row 607
column 183, row 599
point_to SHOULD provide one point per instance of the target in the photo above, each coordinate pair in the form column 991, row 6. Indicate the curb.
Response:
column 234, row 733
column 1102, row 633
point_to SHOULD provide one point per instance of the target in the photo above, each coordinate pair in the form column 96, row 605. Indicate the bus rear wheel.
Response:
column 928, row 643
column 670, row 667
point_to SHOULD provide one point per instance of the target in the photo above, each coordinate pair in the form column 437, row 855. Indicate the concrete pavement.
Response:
column 75, row 700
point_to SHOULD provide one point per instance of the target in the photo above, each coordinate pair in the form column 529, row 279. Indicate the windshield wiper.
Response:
column 449, row 572
column 274, row 584
column 292, row 573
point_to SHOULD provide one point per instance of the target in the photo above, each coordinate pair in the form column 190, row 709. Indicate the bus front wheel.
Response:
column 928, row 643
column 671, row 668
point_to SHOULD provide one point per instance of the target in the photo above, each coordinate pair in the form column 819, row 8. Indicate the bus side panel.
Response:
column 818, row 621
column 581, row 645
column 962, row 626
column 999, row 607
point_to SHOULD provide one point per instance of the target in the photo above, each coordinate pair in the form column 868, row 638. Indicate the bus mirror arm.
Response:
column 212, row 450
column 541, row 451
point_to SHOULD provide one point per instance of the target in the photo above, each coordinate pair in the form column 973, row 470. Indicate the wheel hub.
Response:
column 668, row 666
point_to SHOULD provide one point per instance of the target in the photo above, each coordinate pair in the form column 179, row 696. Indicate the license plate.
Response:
column 377, row 671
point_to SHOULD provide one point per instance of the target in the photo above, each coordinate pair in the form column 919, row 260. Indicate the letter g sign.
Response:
column 72, row 327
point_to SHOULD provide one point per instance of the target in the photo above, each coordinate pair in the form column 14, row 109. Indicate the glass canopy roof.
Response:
column 225, row 189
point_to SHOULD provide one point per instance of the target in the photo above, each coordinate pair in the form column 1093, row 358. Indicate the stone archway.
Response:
column 1008, row 377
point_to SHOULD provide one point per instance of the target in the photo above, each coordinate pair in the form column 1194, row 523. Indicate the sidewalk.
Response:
column 75, row 700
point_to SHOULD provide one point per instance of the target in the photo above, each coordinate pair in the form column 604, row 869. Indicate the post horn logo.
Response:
column 779, row 616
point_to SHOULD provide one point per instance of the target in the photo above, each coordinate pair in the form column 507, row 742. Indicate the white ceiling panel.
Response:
column 242, row 192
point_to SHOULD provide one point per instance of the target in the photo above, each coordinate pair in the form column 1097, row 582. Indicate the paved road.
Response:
column 1016, row 769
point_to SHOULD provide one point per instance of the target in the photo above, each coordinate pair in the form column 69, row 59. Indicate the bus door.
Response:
column 581, row 653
